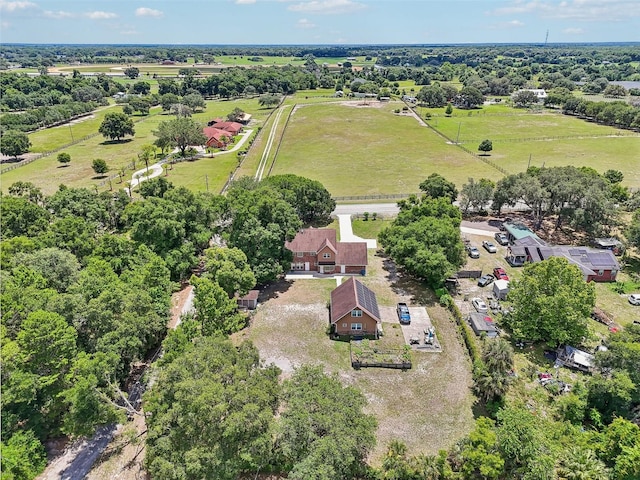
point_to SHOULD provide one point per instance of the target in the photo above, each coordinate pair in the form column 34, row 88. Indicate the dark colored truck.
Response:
column 403, row 314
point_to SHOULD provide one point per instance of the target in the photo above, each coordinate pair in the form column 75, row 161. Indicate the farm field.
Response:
column 356, row 149
column 428, row 407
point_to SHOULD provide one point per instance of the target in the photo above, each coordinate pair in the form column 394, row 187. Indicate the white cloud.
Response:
column 585, row 10
column 148, row 12
column 58, row 15
column 327, row 6
column 304, row 23
column 98, row 15
column 245, row 2
column 573, row 31
column 4, row 24
column 514, row 23
column 15, row 6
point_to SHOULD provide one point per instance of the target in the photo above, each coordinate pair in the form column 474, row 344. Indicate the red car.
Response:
column 500, row 274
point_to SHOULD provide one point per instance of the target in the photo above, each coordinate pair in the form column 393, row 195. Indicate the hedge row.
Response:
column 465, row 330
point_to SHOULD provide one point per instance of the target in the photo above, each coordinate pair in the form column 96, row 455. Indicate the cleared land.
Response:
column 363, row 148
column 428, row 407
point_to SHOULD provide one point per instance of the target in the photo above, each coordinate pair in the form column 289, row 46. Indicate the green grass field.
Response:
column 359, row 150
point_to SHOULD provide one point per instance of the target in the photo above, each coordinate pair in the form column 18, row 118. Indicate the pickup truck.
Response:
column 403, row 314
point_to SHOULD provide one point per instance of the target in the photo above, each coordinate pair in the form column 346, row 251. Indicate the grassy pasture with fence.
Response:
column 552, row 139
column 367, row 149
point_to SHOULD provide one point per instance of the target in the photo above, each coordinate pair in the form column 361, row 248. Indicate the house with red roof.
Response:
column 234, row 128
column 354, row 310
column 216, row 137
column 317, row 250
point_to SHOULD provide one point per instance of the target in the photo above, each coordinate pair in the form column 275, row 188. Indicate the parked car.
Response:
column 489, row 246
column 479, row 305
column 634, row 299
column 403, row 314
column 473, row 251
column 485, row 280
column 500, row 273
column 501, row 238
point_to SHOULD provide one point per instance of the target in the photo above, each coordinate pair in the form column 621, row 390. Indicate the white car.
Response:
column 489, row 246
column 634, row 299
column 479, row 305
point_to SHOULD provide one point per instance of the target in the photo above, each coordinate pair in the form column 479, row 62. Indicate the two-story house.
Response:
column 317, row 250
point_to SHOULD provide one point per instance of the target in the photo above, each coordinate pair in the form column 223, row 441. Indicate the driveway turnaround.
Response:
column 346, row 232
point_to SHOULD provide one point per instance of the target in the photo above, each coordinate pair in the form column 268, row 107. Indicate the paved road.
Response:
column 360, row 208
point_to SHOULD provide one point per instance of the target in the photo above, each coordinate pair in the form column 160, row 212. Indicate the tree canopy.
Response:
column 181, row 132
column 116, row 125
column 222, row 425
column 14, row 144
column 551, row 303
column 425, row 238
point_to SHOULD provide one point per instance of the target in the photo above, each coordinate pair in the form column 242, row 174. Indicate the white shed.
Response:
column 500, row 289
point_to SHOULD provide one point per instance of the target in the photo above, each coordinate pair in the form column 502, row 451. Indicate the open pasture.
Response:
column 551, row 139
column 363, row 148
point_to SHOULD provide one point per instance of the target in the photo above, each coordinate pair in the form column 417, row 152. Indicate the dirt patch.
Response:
column 371, row 103
column 123, row 458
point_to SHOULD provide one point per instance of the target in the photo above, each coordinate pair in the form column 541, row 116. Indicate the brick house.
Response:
column 234, row 128
column 216, row 137
column 317, row 250
column 354, row 310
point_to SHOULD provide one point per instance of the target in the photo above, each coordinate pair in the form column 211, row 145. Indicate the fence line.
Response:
column 284, row 129
column 375, row 197
column 233, row 174
column 555, row 137
column 56, row 150
column 463, row 148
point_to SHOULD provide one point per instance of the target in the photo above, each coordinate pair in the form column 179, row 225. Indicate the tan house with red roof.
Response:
column 317, row 250
column 354, row 310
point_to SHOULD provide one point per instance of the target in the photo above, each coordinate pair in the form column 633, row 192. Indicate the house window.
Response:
column 300, row 254
column 600, row 273
column 356, row 313
column 344, row 325
column 326, row 255
column 356, row 326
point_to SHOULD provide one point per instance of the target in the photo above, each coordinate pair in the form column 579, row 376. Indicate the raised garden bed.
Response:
column 364, row 355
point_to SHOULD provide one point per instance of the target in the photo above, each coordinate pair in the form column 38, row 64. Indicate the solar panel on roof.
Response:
column 599, row 259
column 367, row 299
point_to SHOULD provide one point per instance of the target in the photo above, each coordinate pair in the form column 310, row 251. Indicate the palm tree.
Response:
column 498, row 355
column 581, row 464
column 491, row 385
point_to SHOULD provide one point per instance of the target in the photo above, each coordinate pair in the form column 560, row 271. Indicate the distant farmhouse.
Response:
column 540, row 93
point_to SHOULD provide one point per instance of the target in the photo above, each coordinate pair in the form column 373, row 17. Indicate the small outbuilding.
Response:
column 354, row 310
column 483, row 323
column 501, row 289
column 573, row 358
column 249, row 301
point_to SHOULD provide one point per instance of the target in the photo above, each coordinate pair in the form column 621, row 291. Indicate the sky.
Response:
column 319, row 22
